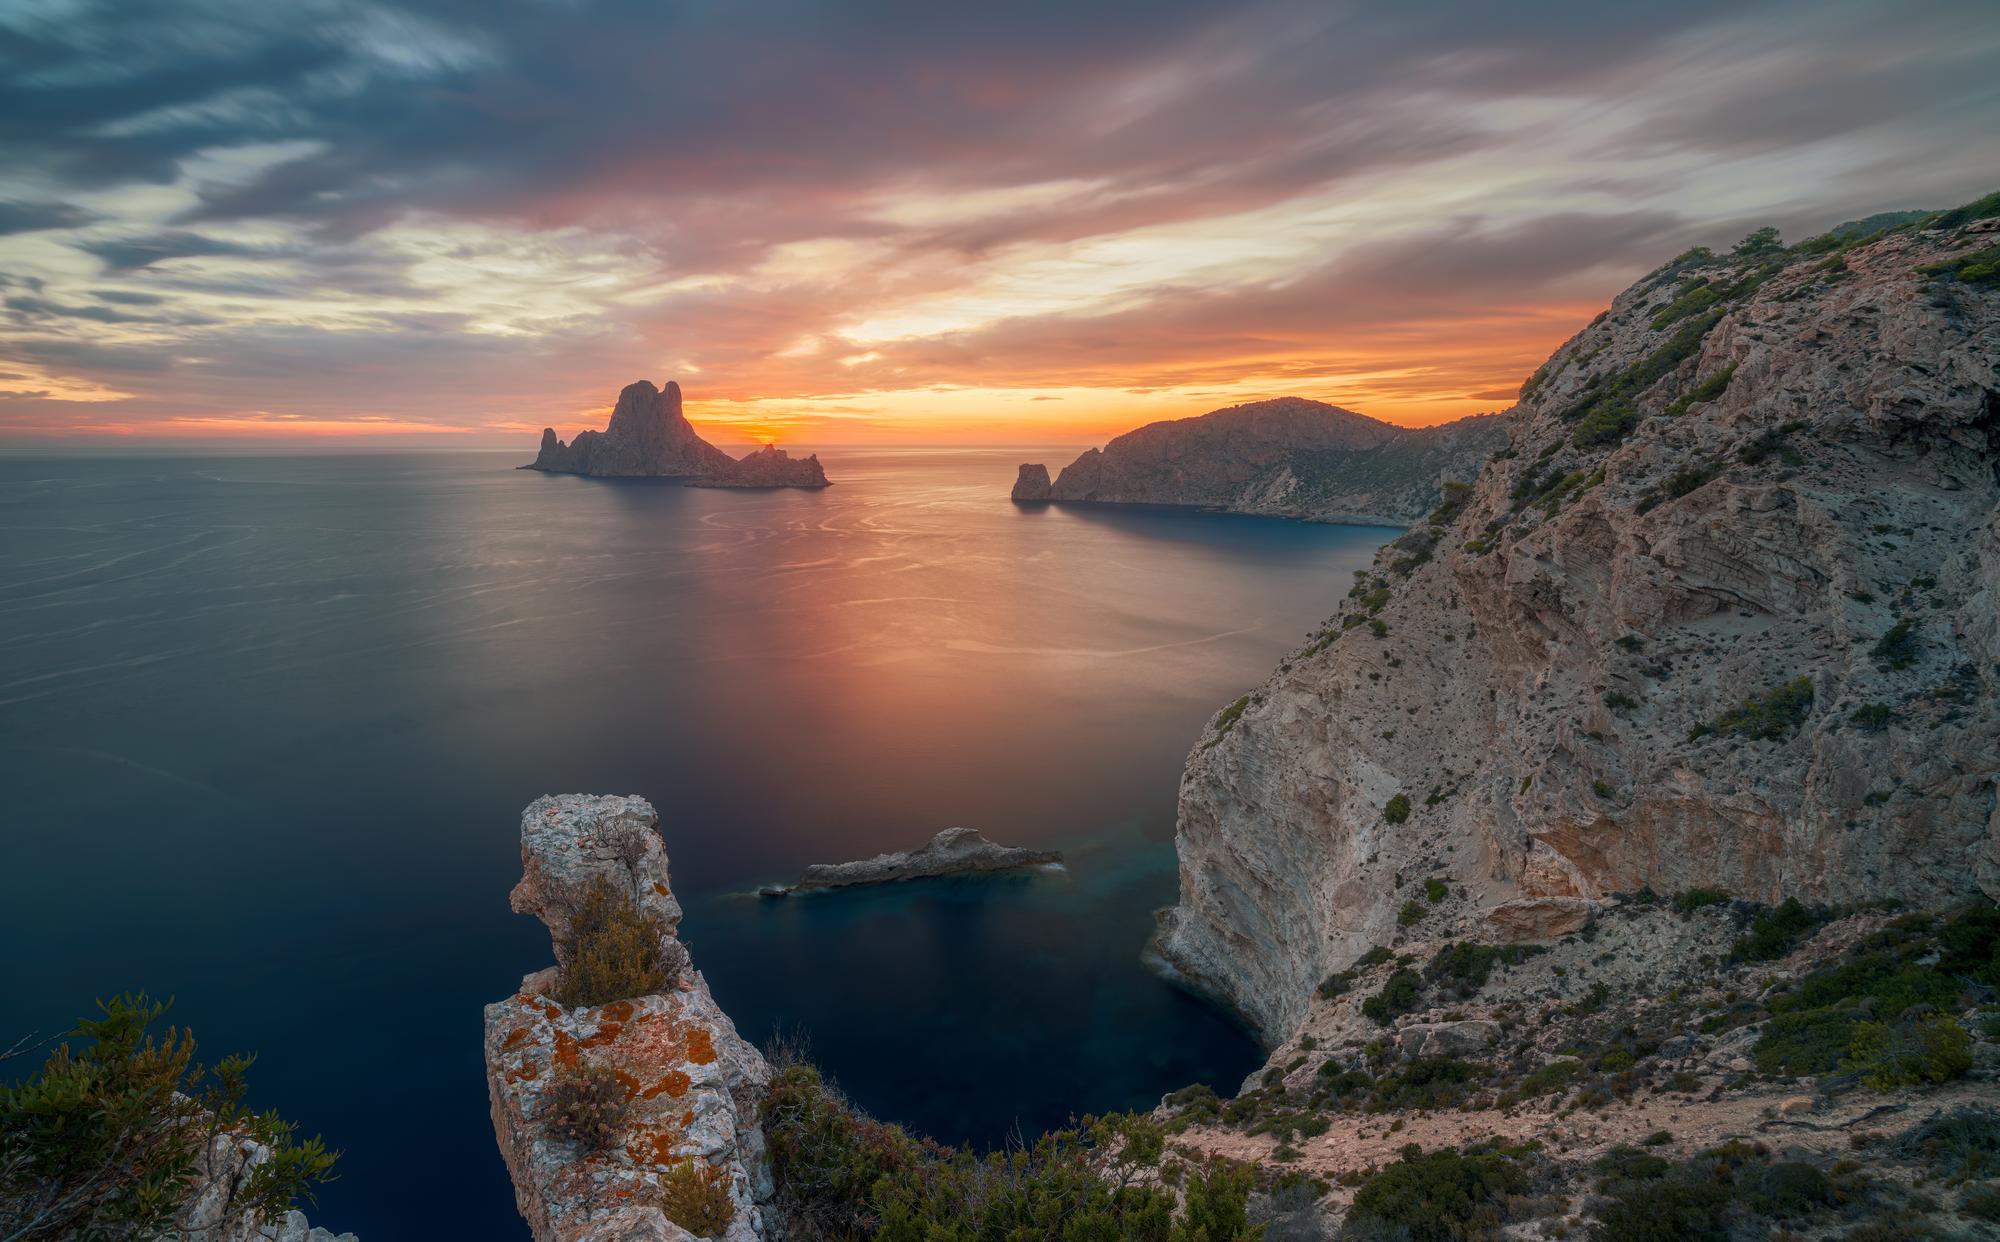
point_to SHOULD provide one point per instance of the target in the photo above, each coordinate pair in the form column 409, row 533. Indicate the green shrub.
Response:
column 1771, row 714
column 109, row 1138
column 1227, row 718
column 1698, row 297
column 1873, row 717
column 695, row 1196
column 1377, row 956
column 1618, row 701
column 613, row 951
column 1690, row 900
column 1378, row 627
column 587, row 1106
column 1758, row 243
column 1441, row 1196
column 1978, row 209
column 1981, row 267
column 1933, row 1048
column 1337, row 984
column 1396, row 809
column 1708, row 390
column 1602, row 788
column 1981, row 1203
column 1399, row 995
column 1464, row 968
column 1899, row 647
column 840, row 1174
column 1413, row 912
column 1811, row 1041
column 1609, row 411
column 1960, row 1145
column 1775, row 932
column 1547, row 1079
column 1787, row 1190
column 1436, row 890
column 1427, row 1082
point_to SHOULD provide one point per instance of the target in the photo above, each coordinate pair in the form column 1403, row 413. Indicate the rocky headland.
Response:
column 1289, row 457
column 649, row 437
column 955, row 851
column 683, row 1123
column 1723, row 614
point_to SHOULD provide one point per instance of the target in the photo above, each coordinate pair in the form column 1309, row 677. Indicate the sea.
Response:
column 267, row 725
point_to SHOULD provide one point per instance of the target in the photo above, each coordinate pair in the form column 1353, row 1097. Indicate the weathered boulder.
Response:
column 1538, row 918
column 1033, row 483
column 692, row 1084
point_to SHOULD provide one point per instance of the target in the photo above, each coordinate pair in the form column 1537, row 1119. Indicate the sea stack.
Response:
column 1033, row 483
column 649, row 437
column 692, row 1084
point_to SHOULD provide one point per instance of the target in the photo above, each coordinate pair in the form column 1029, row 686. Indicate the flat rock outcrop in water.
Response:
column 1290, row 457
column 693, row 1083
column 955, row 851
column 1725, row 614
column 649, row 437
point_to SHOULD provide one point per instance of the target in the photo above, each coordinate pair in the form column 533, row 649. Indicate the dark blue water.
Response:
column 267, row 724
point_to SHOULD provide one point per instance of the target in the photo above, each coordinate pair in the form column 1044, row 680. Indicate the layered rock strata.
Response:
column 1724, row 613
column 692, row 1084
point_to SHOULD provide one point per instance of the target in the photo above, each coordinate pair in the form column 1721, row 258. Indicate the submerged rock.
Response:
column 692, row 1084
column 955, row 851
column 649, row 437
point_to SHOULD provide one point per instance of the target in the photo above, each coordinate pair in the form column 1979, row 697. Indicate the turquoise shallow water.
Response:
column 267, row 724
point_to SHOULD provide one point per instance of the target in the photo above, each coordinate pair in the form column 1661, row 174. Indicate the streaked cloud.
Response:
column 902, row 221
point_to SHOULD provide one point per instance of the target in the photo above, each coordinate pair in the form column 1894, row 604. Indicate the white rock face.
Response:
column 693, row 1083
column 1815, row 468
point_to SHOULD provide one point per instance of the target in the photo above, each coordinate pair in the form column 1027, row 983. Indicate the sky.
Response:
column 451, row 224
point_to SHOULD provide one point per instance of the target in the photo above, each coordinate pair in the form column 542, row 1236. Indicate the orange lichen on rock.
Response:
column 626, row 1080
column 515, row 1038
column 653, row 1147
column 618, row 1011
column 700, row 1046
column 674, row 1084
column 565, row 1054
column 659, row 888
column 602, row 1036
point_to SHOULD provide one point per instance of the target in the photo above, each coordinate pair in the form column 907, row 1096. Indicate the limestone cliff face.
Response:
column 1724, row 613
column 693, row 1083
column 1288, row 458
column 648, row 436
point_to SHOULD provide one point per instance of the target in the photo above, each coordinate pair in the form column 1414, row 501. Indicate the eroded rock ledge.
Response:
column 955, row 851
column 692, row 1082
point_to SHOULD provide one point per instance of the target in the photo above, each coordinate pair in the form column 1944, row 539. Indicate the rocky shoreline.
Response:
column 955, row 851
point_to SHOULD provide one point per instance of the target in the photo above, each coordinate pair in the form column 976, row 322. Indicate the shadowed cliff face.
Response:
column 1723, row 614
column 648, row 436
column 1284, row 458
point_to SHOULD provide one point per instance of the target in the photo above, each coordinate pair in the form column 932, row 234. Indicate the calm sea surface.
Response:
column 267, row 725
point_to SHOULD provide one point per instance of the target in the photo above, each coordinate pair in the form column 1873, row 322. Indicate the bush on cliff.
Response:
column 613, row 952
column 109, row 1138
column 1442, row 1196
column 587, row 1106
column 841, row 1174
column 695, row 1196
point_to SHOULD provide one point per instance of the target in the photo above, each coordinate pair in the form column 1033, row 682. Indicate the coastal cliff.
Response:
column 686, row 1086
column 1724, row 614
column 649, row 437
column 1289, row 457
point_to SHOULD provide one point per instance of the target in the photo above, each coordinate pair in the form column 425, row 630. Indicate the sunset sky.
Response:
column 450, row 224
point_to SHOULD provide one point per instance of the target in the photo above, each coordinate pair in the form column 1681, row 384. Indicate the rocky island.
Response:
column 649, row 437
column 1290, row 457
column 955, row 851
